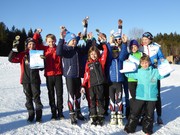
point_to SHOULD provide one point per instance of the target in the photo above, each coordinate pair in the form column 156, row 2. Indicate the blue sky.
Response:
column 151, row 15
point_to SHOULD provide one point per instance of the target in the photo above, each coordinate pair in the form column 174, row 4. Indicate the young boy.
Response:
column 71, row 70
column 153, row 50
column 30, row 79
column 115, row 63
column 53, row 74
column 146, row 93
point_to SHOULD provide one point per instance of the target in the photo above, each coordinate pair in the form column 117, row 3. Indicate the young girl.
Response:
column 94, row 77
column 53, row 74
column 146, row 94
column 30, row 80
column 132, row 83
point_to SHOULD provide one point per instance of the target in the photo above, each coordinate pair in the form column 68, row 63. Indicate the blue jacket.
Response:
column 72, row 59
column 116, row 64
column 153, row 50
column 147, row 83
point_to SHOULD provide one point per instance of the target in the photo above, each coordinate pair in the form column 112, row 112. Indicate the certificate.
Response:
column 36, row 62
column 164, row 68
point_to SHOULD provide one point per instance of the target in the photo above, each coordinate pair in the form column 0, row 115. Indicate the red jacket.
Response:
column 27, row 75
column 53, row 63
column 102, row 61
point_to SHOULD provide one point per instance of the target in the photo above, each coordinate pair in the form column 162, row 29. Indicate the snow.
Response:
column 13, row 113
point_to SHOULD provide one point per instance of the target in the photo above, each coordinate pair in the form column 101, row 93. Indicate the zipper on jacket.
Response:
column 116, row 70
column 69, row 70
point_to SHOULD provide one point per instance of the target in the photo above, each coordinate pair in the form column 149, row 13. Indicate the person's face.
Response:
column 145, row 41
column 118, row 40
column 50, row 42
column 144, row 64
column 72, row 43
column 93, row 55
column 31, row 46
column 134, row 48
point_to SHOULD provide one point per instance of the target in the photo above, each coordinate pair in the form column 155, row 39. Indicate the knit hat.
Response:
column 148, row 35
column 133, row 42
column 117, row 35
column 69, row 36
column 29, row 40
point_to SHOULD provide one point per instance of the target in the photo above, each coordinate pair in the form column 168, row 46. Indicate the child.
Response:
column 118, row 42
column 71, row 70
column 146, row 93
column 53, row 74
column 30, row 79
column 115, row 79
column 132, row 83
column 94, row 78
column 153, row 50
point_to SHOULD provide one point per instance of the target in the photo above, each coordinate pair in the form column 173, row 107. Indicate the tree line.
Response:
column 170, row 43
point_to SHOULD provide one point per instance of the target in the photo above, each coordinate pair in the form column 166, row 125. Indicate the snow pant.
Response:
column 74, row 95
column 132, row 89
column 97, row 100
column 115, row 95
column 147, row 123
column 158, row 102
column 106, row 96
column 32, row 92
column 55, row 86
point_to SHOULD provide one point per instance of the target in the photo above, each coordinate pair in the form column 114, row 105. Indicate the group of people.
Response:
column 93, row 70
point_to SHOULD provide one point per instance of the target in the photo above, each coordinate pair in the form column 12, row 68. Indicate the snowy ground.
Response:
column 13, row 113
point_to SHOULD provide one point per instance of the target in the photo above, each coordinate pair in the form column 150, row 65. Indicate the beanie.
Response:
column 69, row 36
column 148, row 35
column 117, row 35
column 133, row 42
column 29, row 40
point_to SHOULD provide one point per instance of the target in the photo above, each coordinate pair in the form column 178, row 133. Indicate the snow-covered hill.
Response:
column 13, row 113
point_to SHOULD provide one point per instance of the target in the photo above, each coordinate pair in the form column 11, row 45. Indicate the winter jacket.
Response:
column 116, row 64
column 27, row 75
column 53, row 63
column 90, row 75
column 147, row 83
column 137, row 55
column 72, row 59
column 153, row 50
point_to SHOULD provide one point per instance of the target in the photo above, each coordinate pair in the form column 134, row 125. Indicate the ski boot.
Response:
column 73, row 118
column 79, row 116
column 94, row 120
column 113, row 120
column 120, row 119
column 100, row 120
column 39, row 115
column 60, row 115
column 31, row 116
column 159, row 120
